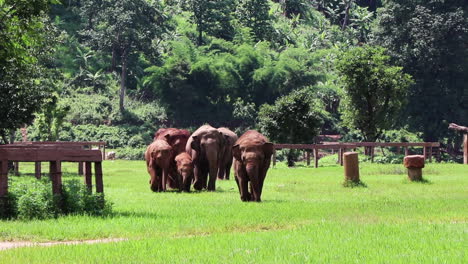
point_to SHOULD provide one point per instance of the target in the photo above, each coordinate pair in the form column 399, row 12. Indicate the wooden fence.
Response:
column 343, row 147
column 55, row 153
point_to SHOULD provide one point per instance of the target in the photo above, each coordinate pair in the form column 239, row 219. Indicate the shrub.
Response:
column 130, row 153
column 33, row 199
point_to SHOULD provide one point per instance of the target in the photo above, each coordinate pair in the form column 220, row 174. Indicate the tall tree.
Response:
column 213, row 17
column 254, row 14
column 374, row 91
column 293, row 118
column 25, row 38
column 429, row 39
column 123, row 28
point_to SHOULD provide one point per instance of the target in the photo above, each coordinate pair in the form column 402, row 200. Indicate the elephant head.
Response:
column 207, row 144
column 253, row 157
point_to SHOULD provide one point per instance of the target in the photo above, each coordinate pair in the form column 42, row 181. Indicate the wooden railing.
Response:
column 55, row 153
column 342, row 147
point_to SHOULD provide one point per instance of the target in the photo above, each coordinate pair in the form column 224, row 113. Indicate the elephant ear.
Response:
column 236, row 152
column 195, row 145
column 167, row 137
column 268, row 149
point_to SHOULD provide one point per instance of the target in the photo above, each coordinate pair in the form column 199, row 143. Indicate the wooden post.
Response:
column 465, row 148
column 438, row 154
column 88, row 175
column 424, row 152
column 80, row 168
column 430, row 154
column 56, row 176
column 37, row 169
column 3, row 178
column 16, row 165
column 274, row 157
column 406, row 151
column 104, row 152
column 316, row 151
column 372, row 154
column 342, row 151
column 398, row 150
column 308, row 157
column 351, row 166
column 98, row 177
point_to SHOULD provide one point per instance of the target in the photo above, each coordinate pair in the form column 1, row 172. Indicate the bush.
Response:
column 130, row 153
column 33, row 199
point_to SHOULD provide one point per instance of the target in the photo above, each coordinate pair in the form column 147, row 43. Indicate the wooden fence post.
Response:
column 465, row 148
column 430, row 154
column 372, row 149
column 3, row 178
column 16, row 167
column 274, row 157
column 316, row 157
column 406, row 151
column 424, row 152
column 308, row 157
column 88, row 175
column 37, row 169
column 98, row 177
column 56, row 176
column 80, row 168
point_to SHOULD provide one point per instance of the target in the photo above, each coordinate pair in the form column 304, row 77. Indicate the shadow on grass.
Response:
column 423, row 181
column 353, row 184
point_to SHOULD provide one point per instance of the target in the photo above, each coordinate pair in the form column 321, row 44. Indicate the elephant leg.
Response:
column 228, row 170
column 242, row 183
column 255, row 189
column 153, row 181
column 164, row 179
column 197, row 182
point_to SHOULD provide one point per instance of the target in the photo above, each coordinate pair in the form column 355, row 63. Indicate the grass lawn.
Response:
column 306, row 216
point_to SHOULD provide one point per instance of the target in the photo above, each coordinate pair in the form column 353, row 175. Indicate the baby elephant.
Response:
column 158, row 161
column 184, row 170
column 252, row 153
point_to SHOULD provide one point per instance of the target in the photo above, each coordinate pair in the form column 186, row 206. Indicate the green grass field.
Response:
column 306, row 216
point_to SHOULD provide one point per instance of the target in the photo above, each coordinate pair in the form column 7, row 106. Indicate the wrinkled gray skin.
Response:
column 226, row 162
column 252, row 155
column 206, row 147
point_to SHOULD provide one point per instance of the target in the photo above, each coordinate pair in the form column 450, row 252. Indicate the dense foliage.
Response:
column 119, row 70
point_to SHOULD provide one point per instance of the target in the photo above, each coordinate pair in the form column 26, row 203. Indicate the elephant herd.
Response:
column 178, row 159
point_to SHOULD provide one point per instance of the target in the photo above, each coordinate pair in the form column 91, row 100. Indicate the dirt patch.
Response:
column 10, row 245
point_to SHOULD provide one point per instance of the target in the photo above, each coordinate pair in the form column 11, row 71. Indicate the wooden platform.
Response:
column 55, row 153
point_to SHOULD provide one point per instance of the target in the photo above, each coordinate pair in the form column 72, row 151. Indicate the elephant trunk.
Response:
column 253, row 172
column 213, row 161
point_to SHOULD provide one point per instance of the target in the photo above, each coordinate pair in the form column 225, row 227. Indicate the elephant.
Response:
column 185, row 170
column 226, row 163
column 177, row 139
column 158, row 158
column 252, row 155
column 206, row 147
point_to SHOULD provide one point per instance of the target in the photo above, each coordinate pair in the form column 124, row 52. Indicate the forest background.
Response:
column 117, row 70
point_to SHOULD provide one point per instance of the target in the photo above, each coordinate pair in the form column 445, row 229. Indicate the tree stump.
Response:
column 414, row 164
column 351, row 166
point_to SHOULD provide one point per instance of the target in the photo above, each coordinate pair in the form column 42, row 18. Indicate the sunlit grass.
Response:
column 306, row 216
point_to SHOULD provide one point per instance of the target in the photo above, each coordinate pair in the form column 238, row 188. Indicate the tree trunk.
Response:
column 122, row 82
column 346, row 17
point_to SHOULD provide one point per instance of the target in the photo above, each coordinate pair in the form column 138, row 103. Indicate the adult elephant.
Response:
column 226, row 162
column 158, row 159
column 206, row 146
column 177, row 139
column 252, row 155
